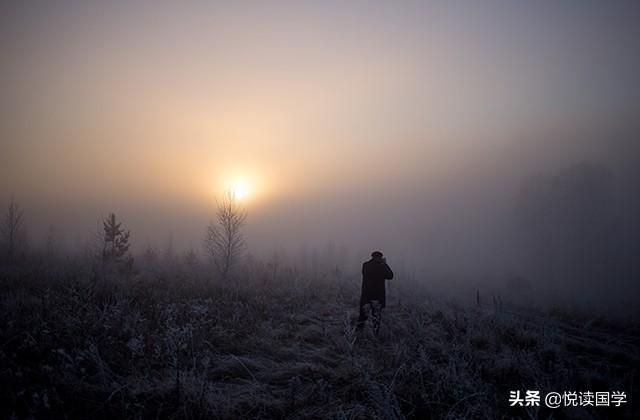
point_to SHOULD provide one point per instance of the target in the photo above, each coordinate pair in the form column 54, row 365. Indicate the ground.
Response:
column 173, row 343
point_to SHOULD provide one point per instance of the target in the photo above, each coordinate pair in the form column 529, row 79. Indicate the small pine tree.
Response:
column 116, row 241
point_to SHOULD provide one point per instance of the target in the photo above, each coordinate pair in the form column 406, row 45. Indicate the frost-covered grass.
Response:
column 168, row 343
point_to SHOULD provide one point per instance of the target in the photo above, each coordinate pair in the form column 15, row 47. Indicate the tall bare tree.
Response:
column 224, row 239
column 12, row 228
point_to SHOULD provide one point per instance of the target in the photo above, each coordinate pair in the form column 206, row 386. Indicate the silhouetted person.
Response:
column 374, row 273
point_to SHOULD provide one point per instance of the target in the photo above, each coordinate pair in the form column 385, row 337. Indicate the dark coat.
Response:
column 374, row 273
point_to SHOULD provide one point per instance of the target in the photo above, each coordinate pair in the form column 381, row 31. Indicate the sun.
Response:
column 240, row 189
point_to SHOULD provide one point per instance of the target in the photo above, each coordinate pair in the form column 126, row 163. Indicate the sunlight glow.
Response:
column 240, row 189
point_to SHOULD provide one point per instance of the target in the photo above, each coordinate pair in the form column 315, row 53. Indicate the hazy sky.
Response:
column 363, row 123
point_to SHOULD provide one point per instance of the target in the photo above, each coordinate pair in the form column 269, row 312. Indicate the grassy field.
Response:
column 168, row 343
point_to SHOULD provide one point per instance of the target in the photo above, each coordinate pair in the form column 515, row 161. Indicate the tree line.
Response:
column 224, row 241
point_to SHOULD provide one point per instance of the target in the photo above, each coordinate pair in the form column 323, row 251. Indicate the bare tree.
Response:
column 224, row 240
column 50, row 243
column 169, row 252
column 12, row 228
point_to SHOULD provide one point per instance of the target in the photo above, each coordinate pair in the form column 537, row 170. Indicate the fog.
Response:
column 468, row 144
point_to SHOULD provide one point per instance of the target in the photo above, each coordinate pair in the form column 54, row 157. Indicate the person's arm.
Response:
column 389, row 273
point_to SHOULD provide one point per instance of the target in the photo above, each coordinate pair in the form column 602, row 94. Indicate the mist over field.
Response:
column 188, row 193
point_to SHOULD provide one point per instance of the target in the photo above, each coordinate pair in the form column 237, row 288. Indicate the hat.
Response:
column 377, row 254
